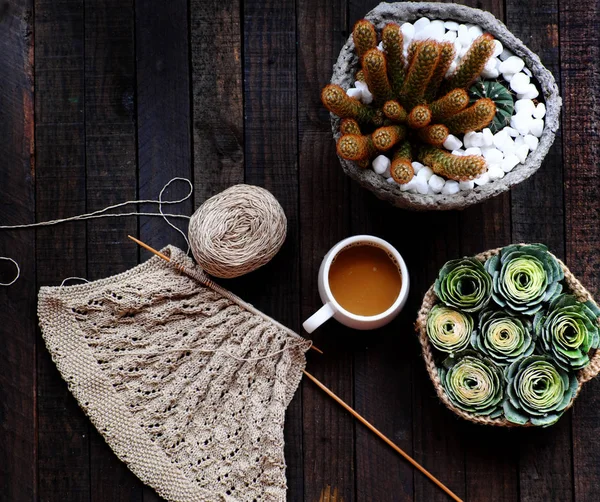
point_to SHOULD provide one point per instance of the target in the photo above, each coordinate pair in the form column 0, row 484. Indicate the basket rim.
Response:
column 430, row 299
column 404, row 11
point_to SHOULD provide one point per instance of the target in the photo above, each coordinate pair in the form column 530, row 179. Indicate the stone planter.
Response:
column 347, row 65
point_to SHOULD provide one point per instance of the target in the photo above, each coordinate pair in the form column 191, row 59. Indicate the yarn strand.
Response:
column 103, row 213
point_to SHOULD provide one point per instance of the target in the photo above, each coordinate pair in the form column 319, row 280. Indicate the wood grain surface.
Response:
column 102, row 101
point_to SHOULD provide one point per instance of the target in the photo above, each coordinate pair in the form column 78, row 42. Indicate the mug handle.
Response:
column 319, row 317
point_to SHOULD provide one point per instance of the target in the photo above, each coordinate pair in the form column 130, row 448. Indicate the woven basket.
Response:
column 347, row 65
column 591, row 371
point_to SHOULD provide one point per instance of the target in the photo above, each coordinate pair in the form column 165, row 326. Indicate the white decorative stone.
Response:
column 408, row 31
column 494, row 73
column 354, row 93
column 520, row 83
column 505, row 54
column 522, row 152
column 473, row 138
column 508, row 146
column 449, row 36
column 450, row 187
column 540, row 111
column 459, row 151
column 488, row 137
column 463, row 51
column 421, row 23
column 531, row 141
column 380, row 164
column 436, row 183
column 475, row 31
column 512, row 65
column 417, row 166
column 482, row 180
column 452, row 68
column 527, row 72
column 513, row 133
column 463, row 35
column 474, row 150
column 380, row 46
column 524, row 106
column 391, row 180
column 519, row 140
column 500, row 138
column 495, row 172
column 531, row 92
column 493, row 155
column 537, row 127
column 451, row 25
column 408, row 186
column 521, row 122
column 452, row 143
column 509, row 162
column 508, row 76
column 426, row 172
column 466, row 185
column 387, row 173
column 421, row 185
column 367, row 97
column 497, row 48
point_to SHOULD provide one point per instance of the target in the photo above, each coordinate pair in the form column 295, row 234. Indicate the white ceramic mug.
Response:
column 331, row 308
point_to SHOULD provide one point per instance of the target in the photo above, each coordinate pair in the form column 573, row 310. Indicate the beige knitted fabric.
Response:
column 171, row 369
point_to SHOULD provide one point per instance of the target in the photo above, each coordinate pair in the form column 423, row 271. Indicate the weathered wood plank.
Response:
column 111, row 177
column 324, row 199
column 63, row 429
column 545, row 456
column 218, row 115
column 271, row 155
column 580, row 76
column 17, row 205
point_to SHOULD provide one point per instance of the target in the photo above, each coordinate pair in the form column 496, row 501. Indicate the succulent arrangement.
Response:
column 416, row 103
column 508, row 339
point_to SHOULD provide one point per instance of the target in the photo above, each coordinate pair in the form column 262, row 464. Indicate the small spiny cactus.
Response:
column 375, row 70
column 394, row 111
column 355, row 147
column 420, row 116
column 338, row 102
column 473, row 63
column 476, row 117
column 434, row 135
column 364, row 36
column 401, row 169
column 349, row 126
column 386, row 137
column 393, row 43
column 455, row 167
column 453, row 102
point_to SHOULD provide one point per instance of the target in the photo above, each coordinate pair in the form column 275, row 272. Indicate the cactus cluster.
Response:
column 416, row 104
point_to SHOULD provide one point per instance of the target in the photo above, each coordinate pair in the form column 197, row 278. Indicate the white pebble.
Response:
column 473, row 138
column 408, row 186
column 513, row 133
column 452, row 143
column 391, row 180
column 466, row 185
column 417, row 166
column 367, row 97
column 531, row 141
column 493, row 155
column 449, row 36
column 490, row 69
column 380, row 164
column 426, row 172
column 450, row 187
column 439, row 25
column 522, row 152
column 497, row 48
column 474, row 150
column 521, row 122
column 408, row 33
column 508, row 146
column 380, row 46
column 452, row 69
column 475, row 31
column 519, row 140
column 436, row 183
column 500, row 138
column 463, row 35
column 459, row 151
column 524, row 106
column 451, row 25
column 527, row 72
column 488, row 137
column 463, row 51
column 387, row 173
column 508, row 77
column 513, row 64
column 354, row 93
column 505, row 54
column 540, row 111
column 495, row 172
column 421, row 23
column 531, row 92
column 509, row 162
column 519, row 83
column 537, row 127
column 482, row 180
column 421, row 185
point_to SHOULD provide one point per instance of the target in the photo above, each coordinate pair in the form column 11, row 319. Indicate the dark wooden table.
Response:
column 105, row 100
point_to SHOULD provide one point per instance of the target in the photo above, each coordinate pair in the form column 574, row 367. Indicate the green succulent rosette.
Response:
column 524, row 277
column 473, row 383
column 538, row 391
column 503, row 337
column 568, row 331
column 448, row 329
column 464, row 284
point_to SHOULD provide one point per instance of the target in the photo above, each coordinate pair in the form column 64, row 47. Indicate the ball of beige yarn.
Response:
column 237, row 231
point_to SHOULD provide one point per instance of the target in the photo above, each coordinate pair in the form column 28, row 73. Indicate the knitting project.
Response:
column 187, row 383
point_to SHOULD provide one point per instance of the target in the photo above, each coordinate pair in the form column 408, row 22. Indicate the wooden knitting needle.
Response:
column 347, row 407
column 166, row 258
